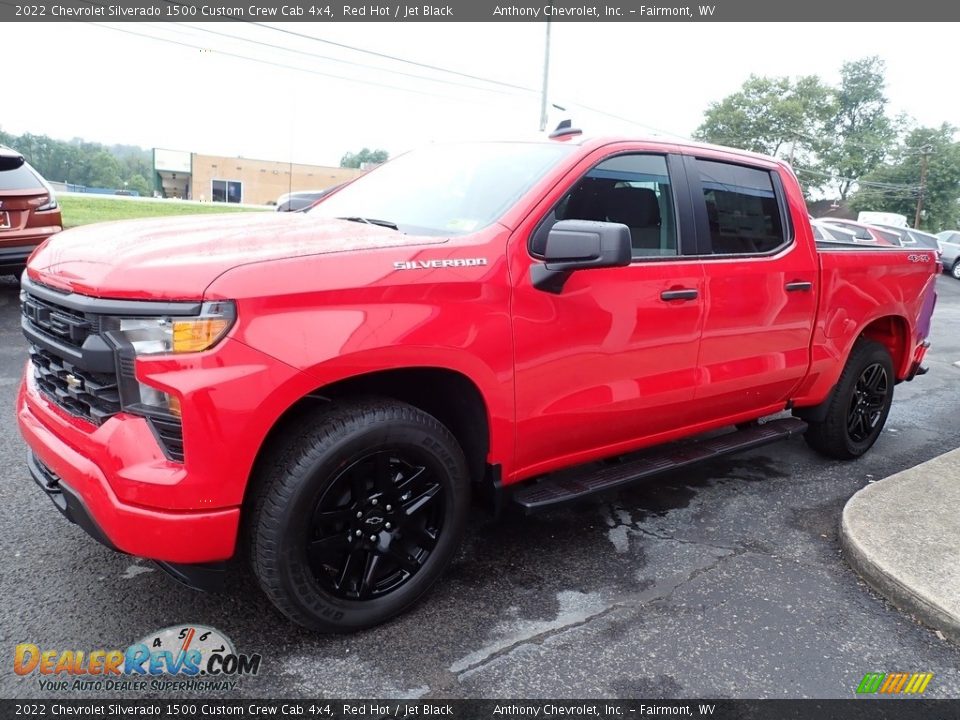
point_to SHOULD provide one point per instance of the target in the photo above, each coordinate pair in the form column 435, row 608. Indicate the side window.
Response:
column 742, row 209
column 629, row 189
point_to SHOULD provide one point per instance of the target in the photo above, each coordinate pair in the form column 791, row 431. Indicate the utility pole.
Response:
column 924, row 153
column 546, row 79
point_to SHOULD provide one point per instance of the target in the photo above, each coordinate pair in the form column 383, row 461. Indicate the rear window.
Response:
column 23, row 178
column 742, row 208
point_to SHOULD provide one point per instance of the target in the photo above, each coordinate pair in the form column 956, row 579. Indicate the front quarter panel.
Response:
column 340, row 315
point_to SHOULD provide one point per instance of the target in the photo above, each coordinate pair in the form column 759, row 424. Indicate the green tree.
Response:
column 774, row 116
column 356, row 160
column 859, row 133
column 139, row 184
column 104, row 171
column 941, row 152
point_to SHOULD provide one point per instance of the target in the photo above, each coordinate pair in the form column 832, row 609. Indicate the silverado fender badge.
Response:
column 918, row 258
column 431, row 264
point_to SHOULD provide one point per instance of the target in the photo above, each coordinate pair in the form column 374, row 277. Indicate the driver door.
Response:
column 610, row 361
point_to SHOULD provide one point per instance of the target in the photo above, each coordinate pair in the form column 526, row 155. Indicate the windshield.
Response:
column 444, row 189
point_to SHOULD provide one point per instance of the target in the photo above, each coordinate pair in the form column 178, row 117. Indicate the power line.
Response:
column 296, row 51
column 278, row 64
column 864, row 184
column 466, row 75
column 391, row 57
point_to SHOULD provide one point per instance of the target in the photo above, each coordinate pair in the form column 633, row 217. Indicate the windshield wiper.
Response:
column 371, row 221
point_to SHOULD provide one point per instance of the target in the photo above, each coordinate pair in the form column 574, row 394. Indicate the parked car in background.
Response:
column 29, row 212
column 882, row 218
column 867, row 234
column 950, row 251
column 302, row 199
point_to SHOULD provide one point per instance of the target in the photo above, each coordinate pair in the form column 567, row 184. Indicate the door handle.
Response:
column 799, row 286
column 684, row 294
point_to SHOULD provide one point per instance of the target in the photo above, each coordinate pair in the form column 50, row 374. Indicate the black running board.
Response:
column 549, row 491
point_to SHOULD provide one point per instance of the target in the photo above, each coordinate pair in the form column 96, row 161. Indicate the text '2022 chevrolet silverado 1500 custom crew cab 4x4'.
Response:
column 324, row 393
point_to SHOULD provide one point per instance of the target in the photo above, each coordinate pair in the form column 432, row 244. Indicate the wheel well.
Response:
column 447, row 395
column 890, row 331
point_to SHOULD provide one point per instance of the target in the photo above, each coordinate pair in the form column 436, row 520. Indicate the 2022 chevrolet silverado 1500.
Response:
column 323, row 393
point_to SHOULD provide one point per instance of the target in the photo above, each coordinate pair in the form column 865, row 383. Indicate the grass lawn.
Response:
column 86, row 210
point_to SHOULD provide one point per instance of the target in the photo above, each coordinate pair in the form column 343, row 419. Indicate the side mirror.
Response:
column 10, row 160
column 580, row 245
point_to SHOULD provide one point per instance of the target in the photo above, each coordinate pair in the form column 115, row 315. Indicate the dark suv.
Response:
column 29, row 212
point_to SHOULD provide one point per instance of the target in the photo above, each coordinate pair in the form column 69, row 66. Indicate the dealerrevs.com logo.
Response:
column 180, row 657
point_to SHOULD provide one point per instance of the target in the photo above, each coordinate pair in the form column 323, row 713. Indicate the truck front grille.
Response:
column 59, row 322
column 93, row 397
column 79, row 371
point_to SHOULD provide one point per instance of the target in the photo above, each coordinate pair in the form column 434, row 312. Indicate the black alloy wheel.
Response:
column 867, row 402
column 375, row 525
column 355, row 511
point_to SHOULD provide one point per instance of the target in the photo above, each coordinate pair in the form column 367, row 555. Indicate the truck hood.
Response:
column 177, row 258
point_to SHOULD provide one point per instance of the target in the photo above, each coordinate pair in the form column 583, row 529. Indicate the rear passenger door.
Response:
column 760, row 297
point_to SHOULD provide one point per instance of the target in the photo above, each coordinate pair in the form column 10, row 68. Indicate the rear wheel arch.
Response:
column 849, row 422
column 893, row 332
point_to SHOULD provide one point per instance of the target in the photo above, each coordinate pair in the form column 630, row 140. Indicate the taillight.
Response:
column 50, row 204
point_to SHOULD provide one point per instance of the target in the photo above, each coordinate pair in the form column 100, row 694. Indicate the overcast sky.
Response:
column 81, row 80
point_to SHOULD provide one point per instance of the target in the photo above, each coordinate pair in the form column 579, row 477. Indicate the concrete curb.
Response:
column 902, row 536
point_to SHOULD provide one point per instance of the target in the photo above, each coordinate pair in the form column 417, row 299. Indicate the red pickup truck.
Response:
column 324, row 392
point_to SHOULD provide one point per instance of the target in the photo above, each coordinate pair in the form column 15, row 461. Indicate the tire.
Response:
column 379, row 492
column 859, row 405
column 955, row 270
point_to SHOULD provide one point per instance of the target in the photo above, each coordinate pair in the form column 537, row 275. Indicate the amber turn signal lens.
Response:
column 197, row 335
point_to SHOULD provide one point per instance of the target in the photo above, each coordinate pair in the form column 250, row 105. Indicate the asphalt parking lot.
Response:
column 724, row 581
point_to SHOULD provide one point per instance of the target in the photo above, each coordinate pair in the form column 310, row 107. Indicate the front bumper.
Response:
column 81, row 490
column 208, row 576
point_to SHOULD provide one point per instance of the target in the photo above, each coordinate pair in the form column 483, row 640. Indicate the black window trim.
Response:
column 704, row 239
column 683, row 215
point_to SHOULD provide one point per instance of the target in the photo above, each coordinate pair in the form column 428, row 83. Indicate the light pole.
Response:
column 546, row 78
column 924, row 153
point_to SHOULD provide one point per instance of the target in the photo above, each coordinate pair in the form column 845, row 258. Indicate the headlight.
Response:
column 139, row 336
column 150, row 336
